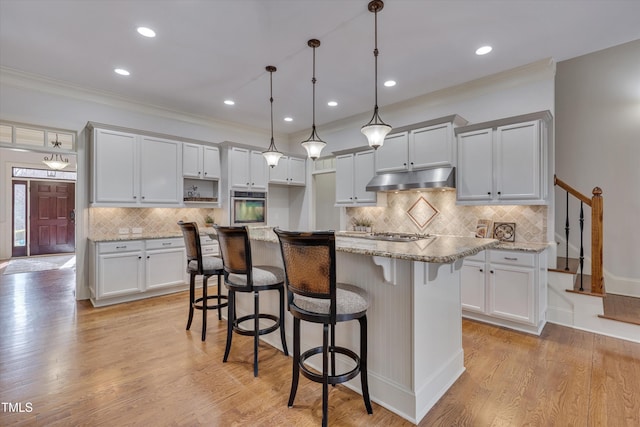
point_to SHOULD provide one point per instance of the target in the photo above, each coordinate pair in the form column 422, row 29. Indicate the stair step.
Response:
column 621, row 308
column 561, row 263
column 586, row 285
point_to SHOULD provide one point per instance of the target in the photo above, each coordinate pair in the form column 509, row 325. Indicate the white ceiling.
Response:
column 209, row 50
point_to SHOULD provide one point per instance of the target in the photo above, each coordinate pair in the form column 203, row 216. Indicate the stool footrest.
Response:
column 197, row 303
column 263, row 331
column 332, row 379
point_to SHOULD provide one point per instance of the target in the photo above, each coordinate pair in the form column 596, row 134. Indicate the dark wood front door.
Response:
column 52, row 217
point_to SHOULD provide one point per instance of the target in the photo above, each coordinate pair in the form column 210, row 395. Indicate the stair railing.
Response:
column 596, row 205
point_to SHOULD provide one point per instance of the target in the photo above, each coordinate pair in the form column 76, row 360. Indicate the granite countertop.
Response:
column 437, row 249
column 143, row 236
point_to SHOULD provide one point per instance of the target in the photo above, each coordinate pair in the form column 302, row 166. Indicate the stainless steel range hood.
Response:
column 444, row 177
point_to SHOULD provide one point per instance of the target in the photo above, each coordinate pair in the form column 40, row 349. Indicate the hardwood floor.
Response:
column 134, row 364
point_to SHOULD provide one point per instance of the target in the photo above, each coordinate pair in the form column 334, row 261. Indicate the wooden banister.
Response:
column 596, row 204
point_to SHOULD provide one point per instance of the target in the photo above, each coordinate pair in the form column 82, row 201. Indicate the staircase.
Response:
column 579, row 300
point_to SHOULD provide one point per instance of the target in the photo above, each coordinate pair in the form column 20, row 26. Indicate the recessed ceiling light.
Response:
column 288, row 119
column 121, row 71
column 332, row 104
column 229, row 102
column 147, row 32
column 483, row 50
column 390, row 83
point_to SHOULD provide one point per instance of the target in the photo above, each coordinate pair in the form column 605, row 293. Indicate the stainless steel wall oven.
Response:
column 248, row 207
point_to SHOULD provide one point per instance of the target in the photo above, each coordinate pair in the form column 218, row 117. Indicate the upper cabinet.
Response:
column 421, row 146
column 248, row 169
column 505, row 161
column 353, row 172
column 289, row 171
column 132, row 170
column 200, row 161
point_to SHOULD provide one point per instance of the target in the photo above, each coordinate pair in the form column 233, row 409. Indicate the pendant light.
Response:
column 314, row 144
column 272, row 155
column 56, row 162
column 376, row 129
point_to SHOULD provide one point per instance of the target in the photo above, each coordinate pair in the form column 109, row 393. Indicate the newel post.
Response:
column 597, row 279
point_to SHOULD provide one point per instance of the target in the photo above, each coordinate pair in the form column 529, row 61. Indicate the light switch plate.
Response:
column 123, row 231
column 136, row 230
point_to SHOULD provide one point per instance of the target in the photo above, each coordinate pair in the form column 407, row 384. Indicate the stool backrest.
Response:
column 235, row 250
column 310, row 264
column 192, row 243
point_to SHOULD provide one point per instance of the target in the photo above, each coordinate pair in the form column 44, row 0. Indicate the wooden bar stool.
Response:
column 197, row 265
column 314, row 296
column 240, row 275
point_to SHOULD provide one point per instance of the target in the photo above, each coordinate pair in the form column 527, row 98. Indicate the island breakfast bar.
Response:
column 415, row 321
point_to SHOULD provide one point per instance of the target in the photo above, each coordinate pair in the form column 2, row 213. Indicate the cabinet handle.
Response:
column 167, row 244
column 511, row 258
column 121, row 247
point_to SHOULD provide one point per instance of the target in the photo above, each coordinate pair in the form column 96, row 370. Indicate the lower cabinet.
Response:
column 134, row 269
column 507, row 288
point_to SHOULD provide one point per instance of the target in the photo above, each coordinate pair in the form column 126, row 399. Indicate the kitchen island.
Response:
column 415, row 322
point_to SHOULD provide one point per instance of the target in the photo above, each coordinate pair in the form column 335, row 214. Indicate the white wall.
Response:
column 598, row 145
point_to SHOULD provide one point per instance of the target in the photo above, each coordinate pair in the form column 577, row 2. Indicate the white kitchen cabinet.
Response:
column 165, row 263
column 248, row 169
column 504, row 162
column 507, row 289
column 200, row 161
column 131, row 170
column 134, row 269
column 353, row 173
column 421, row 146
column 289, row 171
column 120, row 269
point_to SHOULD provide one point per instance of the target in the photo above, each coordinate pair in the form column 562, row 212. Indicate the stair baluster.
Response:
column 566, row 233
column 581, row 245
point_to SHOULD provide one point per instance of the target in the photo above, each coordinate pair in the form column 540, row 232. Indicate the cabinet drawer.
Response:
column 122, row 246
column 210, row 249
column 512, row 258
column 176, row 242
column 205, row 239
column 477, row 257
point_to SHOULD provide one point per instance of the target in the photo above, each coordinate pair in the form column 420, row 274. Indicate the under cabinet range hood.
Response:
column 444, row 177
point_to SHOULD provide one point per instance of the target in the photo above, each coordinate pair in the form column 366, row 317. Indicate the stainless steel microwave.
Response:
column 248, row 207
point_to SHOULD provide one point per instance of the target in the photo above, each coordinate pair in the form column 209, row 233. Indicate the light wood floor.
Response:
column 134, row 364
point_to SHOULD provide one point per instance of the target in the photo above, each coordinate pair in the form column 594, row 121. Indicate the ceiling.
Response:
column 207, row 51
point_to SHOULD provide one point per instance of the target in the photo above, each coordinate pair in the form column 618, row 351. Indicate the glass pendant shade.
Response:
column 375, row 134
column 314, row 147
column 272, row 155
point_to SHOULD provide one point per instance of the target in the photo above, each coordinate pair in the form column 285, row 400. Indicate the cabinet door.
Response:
column 474, row 174
column 432, row 146
column 393, row 155
column 239, row 167
column 210, row 162
column 297, row 171
column 511, row 293
column 114, row 167
column 472, row 279
column 363, row 167
column 344, row 179
column 258, row 171
column 120, row 274
column 518, row 159
column 165, row 267
column 191, row 160
column 279, row 174
column 160, row 174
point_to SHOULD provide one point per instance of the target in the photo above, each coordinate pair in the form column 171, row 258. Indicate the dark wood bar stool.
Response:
column 240, row 275
column 197, row 265
column 314, row 296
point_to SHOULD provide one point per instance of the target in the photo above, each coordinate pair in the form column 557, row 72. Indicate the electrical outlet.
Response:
column 136, row 230
column 123, row 231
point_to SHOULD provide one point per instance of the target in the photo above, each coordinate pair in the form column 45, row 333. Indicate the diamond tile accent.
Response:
column 422, row 212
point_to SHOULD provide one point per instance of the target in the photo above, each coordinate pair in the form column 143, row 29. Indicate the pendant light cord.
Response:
column 375, row 56
column 271, row 102
column 313, row 83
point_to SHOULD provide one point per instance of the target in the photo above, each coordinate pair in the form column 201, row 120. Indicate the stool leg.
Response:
column 256, row 330
column 333, row 353
column 219, row 308
column 296, row 360
column 325, row 374
column 231, row 313
column 363, row 364
column 204, row 306
column 282, row 332
column 192, row 297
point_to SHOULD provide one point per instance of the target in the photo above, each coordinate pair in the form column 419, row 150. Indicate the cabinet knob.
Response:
column 499, row 193
column 139, row 257
column 411, row 163
column 198, row 172
column 135, row 197
column 143, row 197
column 350, row 198
column 491, row 271
column 205, row 174
column 489, row 192
column 148, row 257
column 481, row 271
column 356, row 198
column 253, row 183
column 247, row 183
column 404, row 164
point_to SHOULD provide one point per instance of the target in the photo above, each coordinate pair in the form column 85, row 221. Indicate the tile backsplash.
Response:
column 108, row 221
column 531, row 221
